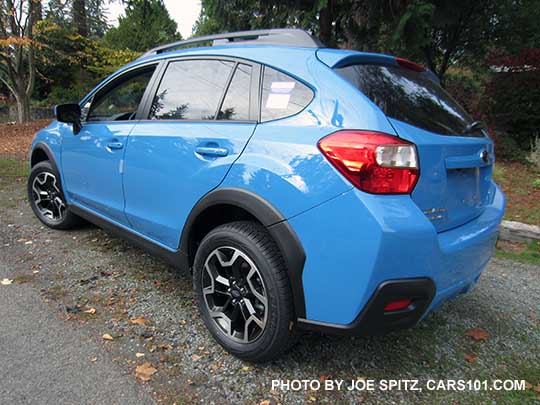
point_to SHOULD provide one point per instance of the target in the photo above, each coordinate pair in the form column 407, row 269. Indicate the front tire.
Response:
column 47, row 198
column 243, row 291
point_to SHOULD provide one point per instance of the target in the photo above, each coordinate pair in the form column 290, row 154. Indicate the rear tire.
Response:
column 47, row 198
column 243, row 291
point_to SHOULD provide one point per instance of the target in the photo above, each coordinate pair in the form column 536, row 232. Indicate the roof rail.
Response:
column 281, row 36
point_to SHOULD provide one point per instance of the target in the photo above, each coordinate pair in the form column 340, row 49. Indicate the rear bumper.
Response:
column 373, row 320
column 360, row 246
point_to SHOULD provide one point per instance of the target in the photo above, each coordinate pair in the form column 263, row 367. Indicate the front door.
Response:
column 93, row 159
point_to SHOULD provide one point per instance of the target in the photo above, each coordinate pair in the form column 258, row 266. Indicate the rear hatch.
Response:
column 455, row 156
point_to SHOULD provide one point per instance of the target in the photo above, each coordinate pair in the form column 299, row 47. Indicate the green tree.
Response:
column 57, row 11
column 147, row 24
column 96, row 18
column 442, row 33
column 237, row 15
column 17, row 51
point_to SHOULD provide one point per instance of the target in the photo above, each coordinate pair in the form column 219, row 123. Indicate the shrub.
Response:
column 512, row 97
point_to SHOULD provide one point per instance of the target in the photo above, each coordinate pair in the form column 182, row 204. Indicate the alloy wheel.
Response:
column 48, row 197
column 234, row 294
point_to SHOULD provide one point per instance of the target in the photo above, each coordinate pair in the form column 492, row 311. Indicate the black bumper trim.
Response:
column 373, row 320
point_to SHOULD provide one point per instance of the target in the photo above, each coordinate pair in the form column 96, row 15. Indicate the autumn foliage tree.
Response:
column 17, row 51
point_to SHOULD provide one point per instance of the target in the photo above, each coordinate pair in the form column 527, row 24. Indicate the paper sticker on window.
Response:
column 282, row 87
column 277, row 101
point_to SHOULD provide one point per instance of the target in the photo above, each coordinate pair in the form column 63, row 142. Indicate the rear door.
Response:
column 202, row 115
column 455, row 162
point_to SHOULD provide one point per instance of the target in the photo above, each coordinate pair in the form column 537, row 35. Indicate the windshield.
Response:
column 412, row 97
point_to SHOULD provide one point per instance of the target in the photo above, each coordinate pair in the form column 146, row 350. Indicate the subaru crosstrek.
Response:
column 305, row 188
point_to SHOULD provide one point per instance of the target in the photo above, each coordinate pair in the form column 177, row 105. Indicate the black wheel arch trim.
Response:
column 42, row 146
column 276, row 224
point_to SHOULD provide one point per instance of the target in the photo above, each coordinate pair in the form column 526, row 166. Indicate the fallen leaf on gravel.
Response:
column 140, row 320
column 93, row 359
column 6, row 281
column 145, row 371
column 196, row 357
column 247, row 368
column 477, row 334
column 470, row 358
column 139, row 355
column 324, row 378
column 167, row 347
column 106, row 336
column 90, row 311
column 267, row 402
column 183, row 322
column 312, row 399
column 215, row 366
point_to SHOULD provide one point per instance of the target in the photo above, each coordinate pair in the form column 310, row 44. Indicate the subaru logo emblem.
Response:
column 484, row 155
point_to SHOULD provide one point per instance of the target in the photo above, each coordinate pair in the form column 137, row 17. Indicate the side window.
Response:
column 120, row 100
column 282, row 95
column 191, row 90
column 236, row 103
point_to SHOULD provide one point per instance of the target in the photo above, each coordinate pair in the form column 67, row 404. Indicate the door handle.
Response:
column 211, row 151
column 115, row 145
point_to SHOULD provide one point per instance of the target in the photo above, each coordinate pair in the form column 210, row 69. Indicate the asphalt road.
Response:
column 46, row 360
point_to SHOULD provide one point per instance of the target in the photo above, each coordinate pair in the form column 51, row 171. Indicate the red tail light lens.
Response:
column 374, row 162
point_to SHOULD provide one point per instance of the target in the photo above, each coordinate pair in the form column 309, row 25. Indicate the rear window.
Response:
column 411, row 97
column 282, row 96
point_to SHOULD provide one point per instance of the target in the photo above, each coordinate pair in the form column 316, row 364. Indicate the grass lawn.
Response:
column 521, row 252
column 521, row 184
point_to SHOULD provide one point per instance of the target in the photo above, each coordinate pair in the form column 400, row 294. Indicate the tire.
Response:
column 52, row 210
column 253, row 248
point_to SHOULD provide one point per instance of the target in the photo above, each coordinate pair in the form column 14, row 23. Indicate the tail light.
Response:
column 374, row 162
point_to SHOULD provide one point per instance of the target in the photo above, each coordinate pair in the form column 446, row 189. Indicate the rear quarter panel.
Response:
column 282, row 162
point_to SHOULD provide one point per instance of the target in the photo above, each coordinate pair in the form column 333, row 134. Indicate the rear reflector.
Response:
column 397, row 305
column 373, row 162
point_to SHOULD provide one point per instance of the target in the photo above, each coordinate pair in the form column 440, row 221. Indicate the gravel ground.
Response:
column 77, row 270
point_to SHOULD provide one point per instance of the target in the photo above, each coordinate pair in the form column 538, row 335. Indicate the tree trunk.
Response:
column 23, row 108
column 325, row 25
column 79, row 17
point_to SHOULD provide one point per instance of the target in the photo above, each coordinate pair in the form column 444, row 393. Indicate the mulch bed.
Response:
column 15, row 139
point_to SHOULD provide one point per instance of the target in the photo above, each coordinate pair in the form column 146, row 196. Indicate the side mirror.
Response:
column 70, row 114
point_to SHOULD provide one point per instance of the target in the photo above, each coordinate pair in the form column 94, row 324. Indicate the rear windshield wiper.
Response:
column 474, row 126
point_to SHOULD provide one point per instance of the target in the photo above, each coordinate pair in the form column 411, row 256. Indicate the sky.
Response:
column 184, row 12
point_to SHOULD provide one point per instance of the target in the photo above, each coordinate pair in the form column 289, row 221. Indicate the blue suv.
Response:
column 305, row 188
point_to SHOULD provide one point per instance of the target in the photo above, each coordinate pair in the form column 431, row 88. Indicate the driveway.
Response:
column 85, row 310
